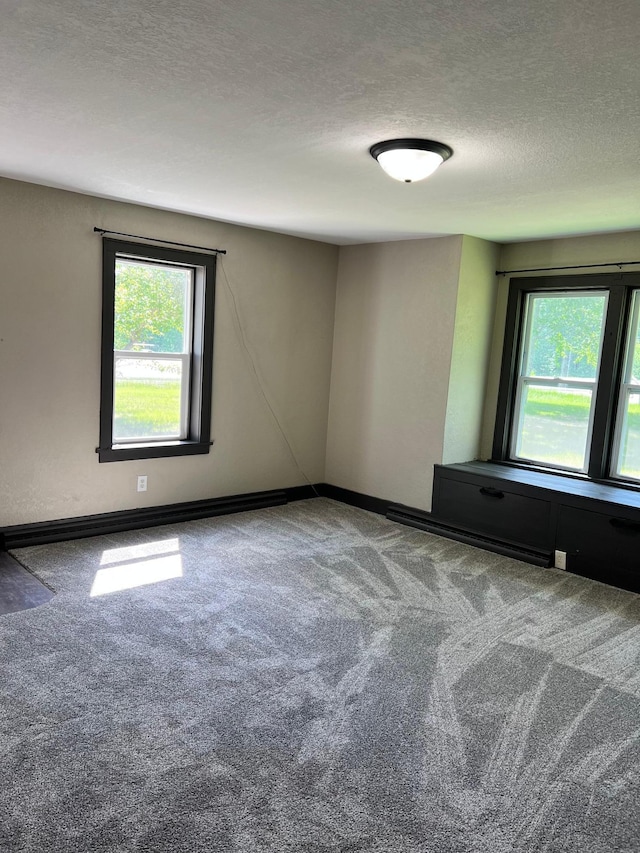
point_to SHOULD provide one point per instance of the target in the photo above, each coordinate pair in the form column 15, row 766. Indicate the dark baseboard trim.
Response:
column 302, row 493
column 43, row 532
column 424, row 521
column 346, row 496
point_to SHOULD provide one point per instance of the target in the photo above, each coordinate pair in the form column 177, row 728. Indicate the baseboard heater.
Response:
column 425, row 521
column 43, row 532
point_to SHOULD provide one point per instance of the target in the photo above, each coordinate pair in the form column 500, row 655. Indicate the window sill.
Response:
column 564, row 474
column 155, row 450
column 570, row 485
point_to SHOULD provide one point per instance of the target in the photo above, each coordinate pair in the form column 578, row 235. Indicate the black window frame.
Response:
column 620, row 287
column 201, row 374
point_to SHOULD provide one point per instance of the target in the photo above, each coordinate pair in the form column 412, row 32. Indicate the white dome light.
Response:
column 410, row 160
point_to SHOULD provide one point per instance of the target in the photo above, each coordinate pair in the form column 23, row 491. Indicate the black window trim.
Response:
column 199, row 441
column 620, row 287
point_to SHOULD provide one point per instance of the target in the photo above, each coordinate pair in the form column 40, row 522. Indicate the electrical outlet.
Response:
column 560, row 559
column 142, row 483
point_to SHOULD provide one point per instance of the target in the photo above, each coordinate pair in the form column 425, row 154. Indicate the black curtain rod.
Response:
column 576, row 267
column 157, row 240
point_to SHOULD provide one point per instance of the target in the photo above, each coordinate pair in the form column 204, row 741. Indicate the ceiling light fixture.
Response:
column 410, row 160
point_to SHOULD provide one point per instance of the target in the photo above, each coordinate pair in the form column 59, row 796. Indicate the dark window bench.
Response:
column 530, row 514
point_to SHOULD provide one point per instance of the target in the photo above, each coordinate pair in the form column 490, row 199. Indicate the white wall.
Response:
column 395, row 314
column 593, row 249
column 50, row 308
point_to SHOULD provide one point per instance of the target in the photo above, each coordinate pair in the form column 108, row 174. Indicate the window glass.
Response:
column 555, row 394
column 634, row 350
column 151, row 307
column 565, row 335
column 147, row 399
column 626, row 453
column 152, row 323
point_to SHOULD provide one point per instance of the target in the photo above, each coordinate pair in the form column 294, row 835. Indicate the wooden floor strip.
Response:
column 19, row 589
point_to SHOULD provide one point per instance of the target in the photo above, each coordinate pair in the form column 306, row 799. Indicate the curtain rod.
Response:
column 157, row 240
column 576, row 267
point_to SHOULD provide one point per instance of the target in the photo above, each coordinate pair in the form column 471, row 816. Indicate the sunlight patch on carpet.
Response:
column 138, row 565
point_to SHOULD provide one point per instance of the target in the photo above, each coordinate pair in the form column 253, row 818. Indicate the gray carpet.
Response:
column 316, row 678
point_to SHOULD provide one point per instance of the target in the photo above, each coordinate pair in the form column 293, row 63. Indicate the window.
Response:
column 157, row 350
column 569, row 396
column 559, row 361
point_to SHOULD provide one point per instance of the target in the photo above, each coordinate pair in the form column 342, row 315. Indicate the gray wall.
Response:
column 395, row 319
column 471, row 350
column 379, row 360
column 410, row 357
column 50, row 309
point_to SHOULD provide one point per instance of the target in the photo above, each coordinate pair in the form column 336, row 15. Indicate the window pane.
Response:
column 629, row 464
column 555, row 394
column 151, row 307
column 554, row 425
column 147, row 398
column 565, row 335
column 626, row 454
column 634, row 343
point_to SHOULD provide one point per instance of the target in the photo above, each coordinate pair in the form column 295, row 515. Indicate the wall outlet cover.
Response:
column 560, row 559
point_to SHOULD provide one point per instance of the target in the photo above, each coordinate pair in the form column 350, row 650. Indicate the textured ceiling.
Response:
column 262, row 113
